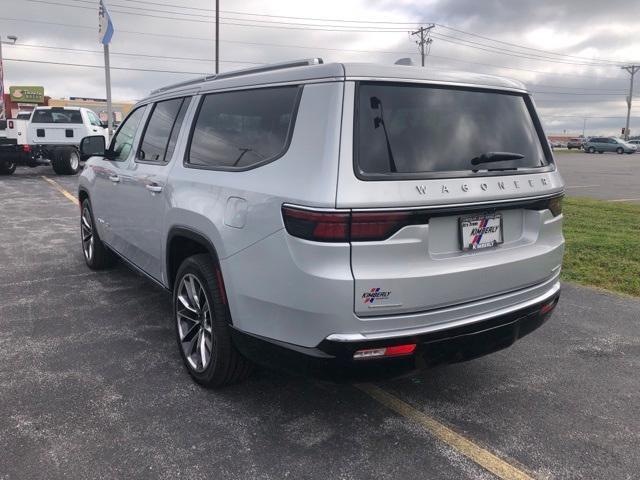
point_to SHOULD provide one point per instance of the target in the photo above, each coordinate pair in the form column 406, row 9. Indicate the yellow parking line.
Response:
column 476, row 453
column 59, row 187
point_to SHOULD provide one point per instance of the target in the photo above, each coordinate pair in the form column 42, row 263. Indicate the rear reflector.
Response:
column 26, row 148
column 548, row 307
column 394, row 351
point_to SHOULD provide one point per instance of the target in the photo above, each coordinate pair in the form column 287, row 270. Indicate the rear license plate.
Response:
column 481, row 231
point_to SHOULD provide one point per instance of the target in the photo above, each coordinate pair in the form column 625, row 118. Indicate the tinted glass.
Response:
column 57, row 116
column 123, row 141
column 240, row 129
column 428, row 129
column 23, row 116
column 154, row 143
column 173, row 139
column 93, row 119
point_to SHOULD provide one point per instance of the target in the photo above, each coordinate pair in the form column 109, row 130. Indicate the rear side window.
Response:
column 242, row 129
column 158, row 141
column 56, row 116
column 417, row 130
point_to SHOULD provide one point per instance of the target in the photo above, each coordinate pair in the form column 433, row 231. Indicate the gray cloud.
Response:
column 616, row 33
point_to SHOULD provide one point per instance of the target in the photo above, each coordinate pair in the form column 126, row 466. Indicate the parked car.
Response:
column 314, row 216
column 636, row 143
column 608, row 144
column 575, row 143
column 48, row 136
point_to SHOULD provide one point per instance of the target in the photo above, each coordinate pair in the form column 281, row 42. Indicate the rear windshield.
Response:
column 56, row 116
column 417, row 130
column 23, row 116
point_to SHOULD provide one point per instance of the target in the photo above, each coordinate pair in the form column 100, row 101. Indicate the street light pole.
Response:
column 584, row 126
column 12, row 41
column 217, row 36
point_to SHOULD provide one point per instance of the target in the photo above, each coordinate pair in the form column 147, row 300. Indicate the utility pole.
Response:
column 584, row 126
column 425, row 41
column 217, row 36
column 632, row 69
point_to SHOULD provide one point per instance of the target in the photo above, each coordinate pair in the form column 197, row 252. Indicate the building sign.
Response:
column 27, row 94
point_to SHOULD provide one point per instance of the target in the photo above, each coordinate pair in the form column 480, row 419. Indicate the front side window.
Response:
column 418, row 130
column 93, row 119
column 157, row 135
column 241, row 129
column 122, row 143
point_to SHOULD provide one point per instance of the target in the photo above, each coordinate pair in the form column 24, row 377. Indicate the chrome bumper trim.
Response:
column 359, row 337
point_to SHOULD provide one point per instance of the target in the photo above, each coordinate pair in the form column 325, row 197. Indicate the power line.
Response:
column 548, row 52
column 133, row 69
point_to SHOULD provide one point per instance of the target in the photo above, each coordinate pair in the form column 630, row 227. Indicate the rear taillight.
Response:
column 317, row 225
column 10, row 124
column 376, row 226
column 26, row 148
column 322, row 226
column 555, row 205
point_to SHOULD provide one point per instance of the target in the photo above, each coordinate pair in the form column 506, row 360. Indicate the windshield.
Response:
column 23, row 116
column 422, row 129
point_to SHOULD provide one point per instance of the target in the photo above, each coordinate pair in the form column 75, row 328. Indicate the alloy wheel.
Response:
column 86, row 228
column 193, row 315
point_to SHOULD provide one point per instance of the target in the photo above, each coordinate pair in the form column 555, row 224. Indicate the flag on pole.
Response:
column 105, row 26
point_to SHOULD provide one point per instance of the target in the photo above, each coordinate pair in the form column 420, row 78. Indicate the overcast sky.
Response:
column 588, row 83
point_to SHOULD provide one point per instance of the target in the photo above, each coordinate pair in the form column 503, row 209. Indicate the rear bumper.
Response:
column 15, row 154
column 455, row 342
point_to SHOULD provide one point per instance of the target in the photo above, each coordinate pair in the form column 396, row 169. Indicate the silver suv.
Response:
column 333, row 217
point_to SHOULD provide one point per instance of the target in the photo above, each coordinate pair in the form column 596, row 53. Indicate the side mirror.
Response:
column 94, row 145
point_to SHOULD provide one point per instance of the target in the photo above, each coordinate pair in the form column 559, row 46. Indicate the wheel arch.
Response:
column 183, row 242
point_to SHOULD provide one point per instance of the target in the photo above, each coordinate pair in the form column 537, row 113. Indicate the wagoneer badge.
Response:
column 499, row 185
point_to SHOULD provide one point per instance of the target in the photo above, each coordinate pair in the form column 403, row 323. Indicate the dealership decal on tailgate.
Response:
column 482, row 231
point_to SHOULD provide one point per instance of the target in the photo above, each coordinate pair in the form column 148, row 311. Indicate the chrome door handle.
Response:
column 114, row 178
column 153, row 187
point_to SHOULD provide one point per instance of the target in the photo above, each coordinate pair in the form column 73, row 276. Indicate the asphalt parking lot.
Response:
column 92, row 386
column 606, row 176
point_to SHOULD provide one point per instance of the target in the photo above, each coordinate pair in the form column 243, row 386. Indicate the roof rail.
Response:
column 246, row 71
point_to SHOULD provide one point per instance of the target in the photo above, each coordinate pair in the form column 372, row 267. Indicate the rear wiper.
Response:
column 496, row 157
column 376, row 104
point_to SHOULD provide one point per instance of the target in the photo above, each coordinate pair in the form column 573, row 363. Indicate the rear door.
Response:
column 432, row 227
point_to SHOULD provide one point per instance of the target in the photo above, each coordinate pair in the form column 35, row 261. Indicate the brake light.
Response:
column 393, row 351
column 376, row 226
column 555, row 205
column 317, row 225
column 10, row 123
column 322, row 226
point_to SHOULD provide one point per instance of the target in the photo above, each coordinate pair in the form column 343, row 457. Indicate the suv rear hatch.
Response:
column 453, row 196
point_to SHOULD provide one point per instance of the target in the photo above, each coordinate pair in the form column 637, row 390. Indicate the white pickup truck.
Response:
column 50, row 137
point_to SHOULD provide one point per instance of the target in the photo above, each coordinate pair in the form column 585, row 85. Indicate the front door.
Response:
column 108, row 199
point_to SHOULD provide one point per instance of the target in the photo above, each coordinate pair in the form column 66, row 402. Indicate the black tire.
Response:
column 97, row 256
column 226, row 365
column 591, row 150
column 7, row 168
column 619, row 150
column 66, row 161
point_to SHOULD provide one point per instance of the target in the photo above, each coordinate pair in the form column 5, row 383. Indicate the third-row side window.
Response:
column 243, row 128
